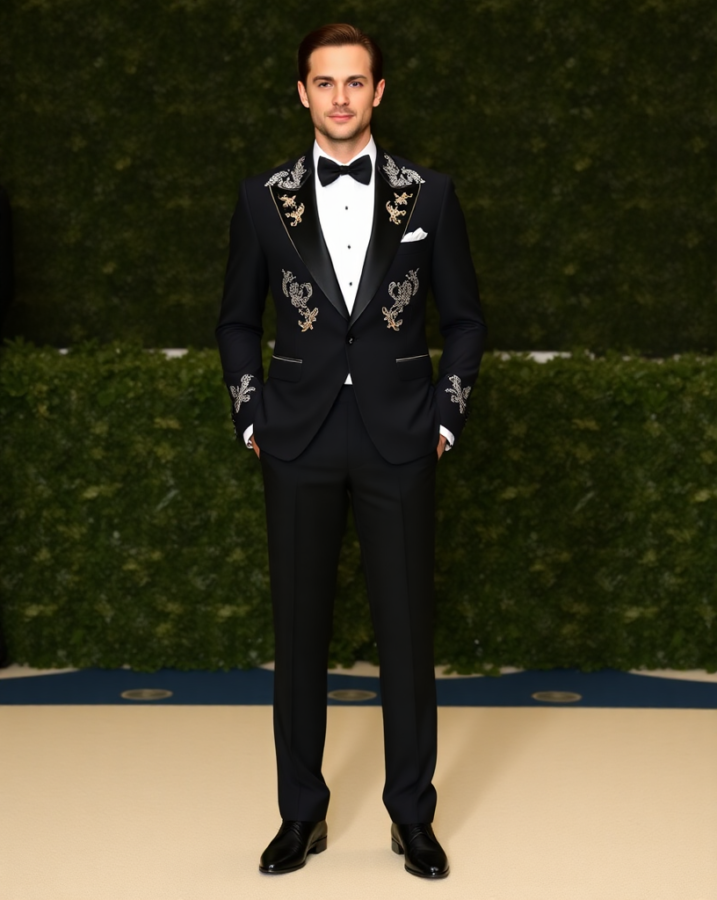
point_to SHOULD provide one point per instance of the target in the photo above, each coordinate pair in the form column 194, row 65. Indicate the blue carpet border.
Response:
column 608, row 688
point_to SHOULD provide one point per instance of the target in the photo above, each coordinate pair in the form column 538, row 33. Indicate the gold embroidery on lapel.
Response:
column 394, row 213
column 300, row 294
column 289, row 181
column 400, row 178
column 294, row 213
column 401, row 295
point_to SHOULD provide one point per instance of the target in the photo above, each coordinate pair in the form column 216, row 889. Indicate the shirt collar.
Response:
column 369, row 150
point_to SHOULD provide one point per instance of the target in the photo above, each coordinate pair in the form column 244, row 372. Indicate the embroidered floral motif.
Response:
column 289, row 181
column 300, row 294
column 402, row 177
column 241, row 394
column 295, row 213
column 401, row 295
column 458, row 394
column 394, row 212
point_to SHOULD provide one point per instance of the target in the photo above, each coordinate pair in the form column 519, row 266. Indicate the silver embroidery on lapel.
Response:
column 458, row 394
column 394, row 213
column 295, row 213
column 289, row 181
column 401, row 295
column 402, row 177
column 299, row 294
column 241, row 394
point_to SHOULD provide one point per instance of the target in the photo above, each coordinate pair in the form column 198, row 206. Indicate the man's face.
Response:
column 340, row 93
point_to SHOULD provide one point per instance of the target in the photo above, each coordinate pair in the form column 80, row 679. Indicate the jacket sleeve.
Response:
column 240, row 328
column 463, row 327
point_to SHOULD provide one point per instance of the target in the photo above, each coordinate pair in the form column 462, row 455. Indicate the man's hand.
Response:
column 255, row 446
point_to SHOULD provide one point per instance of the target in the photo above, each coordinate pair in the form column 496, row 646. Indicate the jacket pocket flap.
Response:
column 410, row 367
column 285, row 368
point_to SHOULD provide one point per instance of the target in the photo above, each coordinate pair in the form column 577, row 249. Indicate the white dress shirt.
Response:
column 345, row 210
column 346, row 215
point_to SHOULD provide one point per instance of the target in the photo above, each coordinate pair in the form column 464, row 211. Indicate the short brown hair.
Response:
column 339, row 36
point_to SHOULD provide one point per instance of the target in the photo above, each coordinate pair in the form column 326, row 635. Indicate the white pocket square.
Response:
column 418, row 235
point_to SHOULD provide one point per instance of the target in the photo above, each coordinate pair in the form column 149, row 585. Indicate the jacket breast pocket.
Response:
column 285, row 368
column 410, row 367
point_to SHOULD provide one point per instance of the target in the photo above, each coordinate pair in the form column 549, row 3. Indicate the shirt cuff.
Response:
column 448, row 435
column 248, row 432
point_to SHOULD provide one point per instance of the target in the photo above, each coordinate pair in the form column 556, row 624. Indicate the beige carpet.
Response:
column 176, row 803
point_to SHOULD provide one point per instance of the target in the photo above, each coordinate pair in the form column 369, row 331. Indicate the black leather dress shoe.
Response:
column 293, row 843
column 424, row 855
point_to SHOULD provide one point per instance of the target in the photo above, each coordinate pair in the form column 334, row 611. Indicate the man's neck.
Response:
column 343, row 151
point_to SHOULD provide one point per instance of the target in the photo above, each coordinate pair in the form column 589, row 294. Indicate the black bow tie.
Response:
column 360, row 169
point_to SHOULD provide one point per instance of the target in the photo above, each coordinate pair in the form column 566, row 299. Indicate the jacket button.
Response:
column 350, row 339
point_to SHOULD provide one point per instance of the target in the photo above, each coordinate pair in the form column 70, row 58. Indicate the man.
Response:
column 350, row 238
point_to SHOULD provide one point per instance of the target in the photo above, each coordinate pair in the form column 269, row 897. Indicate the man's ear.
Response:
column 303, row 96
column 378, row 93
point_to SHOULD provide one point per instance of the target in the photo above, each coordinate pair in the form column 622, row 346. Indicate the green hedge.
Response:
column 577, row 517
column 581, row 137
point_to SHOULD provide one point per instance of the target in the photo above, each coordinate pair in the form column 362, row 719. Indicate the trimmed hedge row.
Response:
column 581, row 137
column 577, row 517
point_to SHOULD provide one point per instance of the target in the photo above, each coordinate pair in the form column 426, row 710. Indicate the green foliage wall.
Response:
column 577, row 517
column 582, row 138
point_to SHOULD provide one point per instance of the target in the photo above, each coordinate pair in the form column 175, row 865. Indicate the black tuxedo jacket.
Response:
column 277, row 244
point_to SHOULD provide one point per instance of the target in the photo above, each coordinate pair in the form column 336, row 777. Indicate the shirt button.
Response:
column 349, row 246
column 350, row 339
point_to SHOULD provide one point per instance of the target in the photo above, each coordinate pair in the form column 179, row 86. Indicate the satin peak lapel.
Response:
column 294, row 197
column 396, row 195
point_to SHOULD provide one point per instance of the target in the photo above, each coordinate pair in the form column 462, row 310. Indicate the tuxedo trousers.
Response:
column 307, row 502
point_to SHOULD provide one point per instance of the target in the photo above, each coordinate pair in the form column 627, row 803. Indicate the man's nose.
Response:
column 340, row 98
